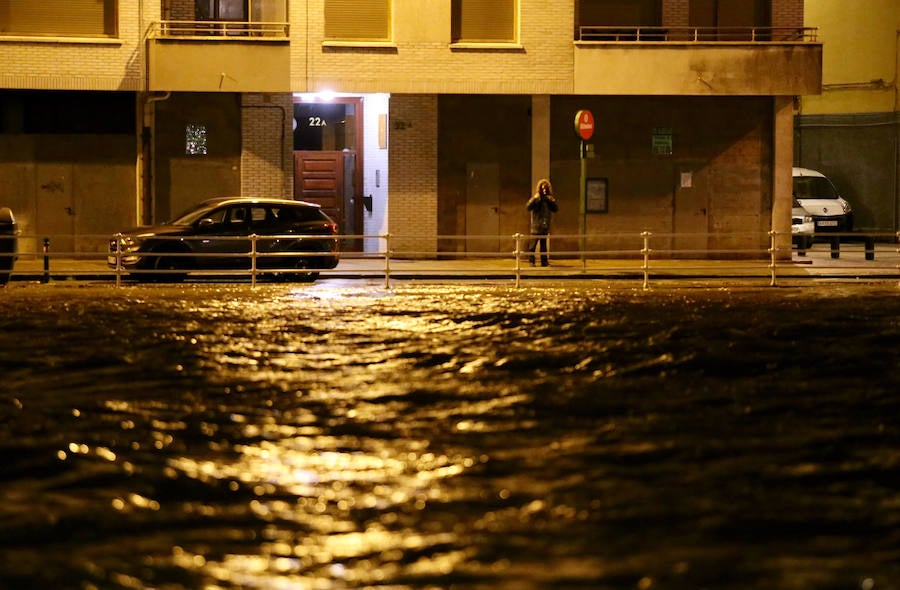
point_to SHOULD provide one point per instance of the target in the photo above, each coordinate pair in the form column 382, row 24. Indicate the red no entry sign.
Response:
column 584, row 124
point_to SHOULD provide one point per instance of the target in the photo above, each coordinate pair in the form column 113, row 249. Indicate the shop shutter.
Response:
column 358, row 20
column 69, row 18
column 485, row 20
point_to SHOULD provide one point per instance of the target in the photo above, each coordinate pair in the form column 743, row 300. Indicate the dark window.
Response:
column 620, row 13
column 64, row 112
column 221, row 9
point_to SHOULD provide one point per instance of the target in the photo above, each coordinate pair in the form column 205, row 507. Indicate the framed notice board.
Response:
column 596, row 195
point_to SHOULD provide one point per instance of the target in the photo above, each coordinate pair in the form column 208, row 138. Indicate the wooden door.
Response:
column 319, row 178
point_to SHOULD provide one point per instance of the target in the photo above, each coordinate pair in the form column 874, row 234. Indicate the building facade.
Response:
column 851, row 131
column 428, row 119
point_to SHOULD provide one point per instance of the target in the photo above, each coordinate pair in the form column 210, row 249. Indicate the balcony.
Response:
column 219, row 56
column 703, row 61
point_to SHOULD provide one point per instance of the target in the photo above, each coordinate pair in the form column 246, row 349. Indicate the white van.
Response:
column 818, row 195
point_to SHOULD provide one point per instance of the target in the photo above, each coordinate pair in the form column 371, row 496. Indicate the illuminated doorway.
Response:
column 328, row 159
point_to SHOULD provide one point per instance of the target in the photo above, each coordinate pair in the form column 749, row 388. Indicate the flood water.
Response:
column 342, row 435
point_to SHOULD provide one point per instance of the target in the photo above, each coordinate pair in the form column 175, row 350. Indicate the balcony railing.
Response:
column 697, row 34
column 224, row 29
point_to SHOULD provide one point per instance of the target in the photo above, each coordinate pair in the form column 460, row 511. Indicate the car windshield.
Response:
column 814, row 187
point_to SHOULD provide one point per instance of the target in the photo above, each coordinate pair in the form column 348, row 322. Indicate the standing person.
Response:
column 542, row 206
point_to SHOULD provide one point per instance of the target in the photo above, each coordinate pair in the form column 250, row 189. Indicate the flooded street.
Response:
column 342, row 435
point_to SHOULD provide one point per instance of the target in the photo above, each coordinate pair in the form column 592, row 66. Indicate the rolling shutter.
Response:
column 358, row 20
column 485, row 21
column 69, row 18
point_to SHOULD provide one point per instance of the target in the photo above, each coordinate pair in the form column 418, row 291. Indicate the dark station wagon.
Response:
column 292, row 239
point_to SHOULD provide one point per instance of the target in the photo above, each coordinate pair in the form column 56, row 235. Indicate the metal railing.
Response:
column 643, row 256
column 223, row 29
column 697, row 34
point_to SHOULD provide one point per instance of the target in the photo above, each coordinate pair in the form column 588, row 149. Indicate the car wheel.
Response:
column 305, row 275
column 165, row 267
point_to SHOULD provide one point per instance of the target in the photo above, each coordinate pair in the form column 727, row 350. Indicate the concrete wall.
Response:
column 860, row 56
column 725, row 145
column 859, row 153
column 477, row 132
column 851, row 132
column 76, row 190
column 182, row 180
column 376, row 138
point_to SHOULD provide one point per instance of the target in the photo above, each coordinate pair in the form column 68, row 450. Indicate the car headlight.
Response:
column 807, row 219
column 845, row 206
column 129, row 244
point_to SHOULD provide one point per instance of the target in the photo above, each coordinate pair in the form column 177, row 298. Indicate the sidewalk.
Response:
column 818, row 263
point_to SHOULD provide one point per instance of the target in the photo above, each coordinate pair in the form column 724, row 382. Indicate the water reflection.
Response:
column 447, row 436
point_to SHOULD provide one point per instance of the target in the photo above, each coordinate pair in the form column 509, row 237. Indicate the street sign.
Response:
column 584, row 124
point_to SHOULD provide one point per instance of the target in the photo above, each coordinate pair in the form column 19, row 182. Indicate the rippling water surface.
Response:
column 342, row 435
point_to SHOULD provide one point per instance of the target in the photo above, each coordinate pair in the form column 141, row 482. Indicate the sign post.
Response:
column 584, row 129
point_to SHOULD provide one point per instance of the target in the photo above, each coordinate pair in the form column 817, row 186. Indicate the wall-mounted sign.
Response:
column 584, row 124
column 596, row 195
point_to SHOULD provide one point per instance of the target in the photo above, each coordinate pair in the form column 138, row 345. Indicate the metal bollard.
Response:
column 870, row 248
column 46, row 277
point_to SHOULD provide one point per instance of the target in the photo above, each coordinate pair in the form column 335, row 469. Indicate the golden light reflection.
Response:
column 314, row 484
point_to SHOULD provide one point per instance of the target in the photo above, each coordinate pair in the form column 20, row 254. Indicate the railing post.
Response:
column 253, row 259
column 118, row 260
column 646, row 252
column 387, row 261
column 518, row 253
column 773, row 257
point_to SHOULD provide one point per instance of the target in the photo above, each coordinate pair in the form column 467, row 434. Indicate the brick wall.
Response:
column 421, row 59
column 412, row 159
column 675, row 13
column 787, row 13
column 267, row 145
column 57, row 64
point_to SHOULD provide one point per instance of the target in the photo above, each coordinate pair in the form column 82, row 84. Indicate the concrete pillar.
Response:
column 782, row 176
column 540, row 137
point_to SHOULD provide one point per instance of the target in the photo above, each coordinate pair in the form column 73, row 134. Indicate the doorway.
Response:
column 483, row 207
column 328, row 160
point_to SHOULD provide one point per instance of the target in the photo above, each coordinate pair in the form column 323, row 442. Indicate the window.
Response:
column 358, row 20
column 195, row 140
column 483, row 21
column 221, row 10
column 66, row 18
column 619, row 13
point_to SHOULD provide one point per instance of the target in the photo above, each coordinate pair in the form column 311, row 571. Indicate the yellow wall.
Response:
column 860, row 49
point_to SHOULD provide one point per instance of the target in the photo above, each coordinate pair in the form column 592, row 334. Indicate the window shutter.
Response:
column 487, row 20
column 358, row 20
column 70, row 18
